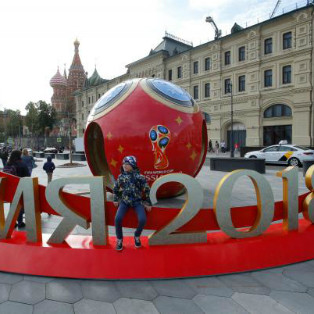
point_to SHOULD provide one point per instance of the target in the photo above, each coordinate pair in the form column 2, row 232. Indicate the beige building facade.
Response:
column 266, row 71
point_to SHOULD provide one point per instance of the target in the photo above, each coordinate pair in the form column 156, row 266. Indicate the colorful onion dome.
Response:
column 58, row 80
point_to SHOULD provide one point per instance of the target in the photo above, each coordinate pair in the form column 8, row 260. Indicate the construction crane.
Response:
column 275, row 9
column 210, row 20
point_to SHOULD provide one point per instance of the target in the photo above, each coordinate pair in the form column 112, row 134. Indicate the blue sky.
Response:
column 37, row 36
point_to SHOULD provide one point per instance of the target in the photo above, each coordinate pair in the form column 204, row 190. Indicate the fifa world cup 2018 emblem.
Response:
column 160, row 137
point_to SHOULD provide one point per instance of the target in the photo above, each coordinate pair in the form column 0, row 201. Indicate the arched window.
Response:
column 278, row 110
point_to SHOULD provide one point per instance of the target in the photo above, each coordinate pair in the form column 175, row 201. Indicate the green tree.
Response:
column 47, row 117
column 15, row 123
column 31, row 118
column 40, row 117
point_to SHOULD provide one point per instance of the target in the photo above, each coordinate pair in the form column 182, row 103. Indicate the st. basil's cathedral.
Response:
column 64, row 87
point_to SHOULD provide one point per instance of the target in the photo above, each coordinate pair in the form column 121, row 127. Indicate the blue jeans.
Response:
column 20, row 216
column 122, row 210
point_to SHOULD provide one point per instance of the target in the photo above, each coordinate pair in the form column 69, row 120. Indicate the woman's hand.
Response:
column 148, row 208
column 116, row 204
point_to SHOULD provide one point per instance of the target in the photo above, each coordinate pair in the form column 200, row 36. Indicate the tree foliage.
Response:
column 40, row 117
column 14, row 124
column 31, row 118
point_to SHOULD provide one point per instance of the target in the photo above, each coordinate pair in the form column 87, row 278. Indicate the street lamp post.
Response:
column 70, row 140
column 231, row 114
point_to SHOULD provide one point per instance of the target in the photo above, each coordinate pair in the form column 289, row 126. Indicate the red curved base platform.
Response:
column 220, row 255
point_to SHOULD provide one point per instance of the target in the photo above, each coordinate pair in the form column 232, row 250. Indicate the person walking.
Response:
column 210, row 146
column 223, row 146
column 16, row 166
column 128, row 192
column 49, row 167
column 29, row 160
column 217, row 147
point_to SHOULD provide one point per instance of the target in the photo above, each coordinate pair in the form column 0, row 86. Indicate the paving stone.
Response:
column 209, row 286
column 253, row 290
column 64, row 291
column 142, row 290
column 304, row 277
column 15, row 308
column 10, row 278
column 305, row 266
column 53, row 307
column 294, row 301
column 311, row 292
column 174, row 288
column 27, row 292
column 170, row 305
column 86, row 306
column 4, row 292
column 132, row 306
column 259, row 304
column 278, row 282
column 105, row 291
column 212, row 304
column 39, row 279
column 277, row 270
column 239, row 281
column 311, row 263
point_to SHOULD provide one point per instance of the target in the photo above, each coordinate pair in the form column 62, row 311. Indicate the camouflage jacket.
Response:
column 130, row 187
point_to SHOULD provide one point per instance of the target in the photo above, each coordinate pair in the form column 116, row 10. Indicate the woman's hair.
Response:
column 15, row 156
column 25, row 152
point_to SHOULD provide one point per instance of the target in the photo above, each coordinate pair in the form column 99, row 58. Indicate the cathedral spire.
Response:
column 65, row 72
column 76, row 63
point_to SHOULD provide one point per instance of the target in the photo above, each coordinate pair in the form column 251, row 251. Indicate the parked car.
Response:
column 51, row 150
column 293, row 155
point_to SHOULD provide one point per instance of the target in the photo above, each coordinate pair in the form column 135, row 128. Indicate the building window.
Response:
column 207, row 64
column 227, row 86
column 242, row 83
column 227, row 57
column 268, row 78
column 287, row 40
column 92, row 99
column 99, row 95
column 207, row 117
column 195, row 92
column 286, row 74
column 89, row 99
column 207, row 90
column 268, row 46
column 179, row 72
column 242, row 53
column 274, row 134
column 82, row 116
column 170, row 75
column 278, row 110
column 195, row 67
column 82, row 103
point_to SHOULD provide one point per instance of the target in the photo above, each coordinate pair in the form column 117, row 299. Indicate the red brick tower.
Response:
column 76, row 78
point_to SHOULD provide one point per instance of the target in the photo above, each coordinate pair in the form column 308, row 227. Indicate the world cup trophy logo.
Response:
column 160, row 137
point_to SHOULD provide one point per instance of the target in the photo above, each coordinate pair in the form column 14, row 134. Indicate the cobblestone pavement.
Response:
column 288, row 289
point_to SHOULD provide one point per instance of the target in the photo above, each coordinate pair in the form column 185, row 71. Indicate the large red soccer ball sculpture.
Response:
column 152, row 119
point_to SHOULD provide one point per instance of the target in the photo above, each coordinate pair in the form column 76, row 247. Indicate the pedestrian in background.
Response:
column 217, row 147
column 223, row 146
column 29, row 160
column 210, row 146
column 16, row 166
column 49, row 167
column 4, row 155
